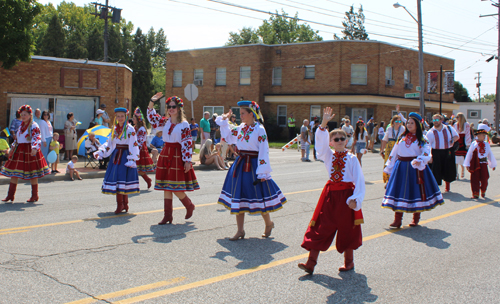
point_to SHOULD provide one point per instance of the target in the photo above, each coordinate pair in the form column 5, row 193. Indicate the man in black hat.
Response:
column 105, row 116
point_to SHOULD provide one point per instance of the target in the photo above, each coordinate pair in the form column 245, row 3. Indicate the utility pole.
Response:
column 421, row 59
column 103, row 14
column 478, row 84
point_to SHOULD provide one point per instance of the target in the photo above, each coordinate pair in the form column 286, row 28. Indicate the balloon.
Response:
column 52, row 157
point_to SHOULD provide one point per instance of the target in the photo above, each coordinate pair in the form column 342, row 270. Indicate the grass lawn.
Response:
column 279, row 145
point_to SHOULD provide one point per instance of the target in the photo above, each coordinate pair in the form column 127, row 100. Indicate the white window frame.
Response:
column 407, row 76
column 277, row 80
column 211, row 110
column 470, row 116
column 388, row 70
column 220, row 76
column 359, row 77
column 278, row 115
column 312, row 70
column 198, row 74
column 243, row 71
column 311, row 116
column 177, row 83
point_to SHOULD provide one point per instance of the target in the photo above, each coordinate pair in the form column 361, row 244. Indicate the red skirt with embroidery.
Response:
column 24, row 166
column 170, row 175
column 145, row 163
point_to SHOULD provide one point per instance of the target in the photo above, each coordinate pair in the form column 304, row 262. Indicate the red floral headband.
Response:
column 26, row 108
column 175, row 99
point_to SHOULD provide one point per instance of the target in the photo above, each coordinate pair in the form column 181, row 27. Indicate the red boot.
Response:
column 11, row 193
column 189, row 206
column 147, row 179
column 119, row 203
column 311, row 262
column 416, row 219
column 348, row 260
column 447, row 188
column 34, row 194
column 398, row 217
column 125, row 202
column 167, row 211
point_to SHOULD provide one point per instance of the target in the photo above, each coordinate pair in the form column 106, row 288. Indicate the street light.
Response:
column 420, row 53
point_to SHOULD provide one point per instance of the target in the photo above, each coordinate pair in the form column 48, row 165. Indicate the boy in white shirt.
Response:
column 70, row 168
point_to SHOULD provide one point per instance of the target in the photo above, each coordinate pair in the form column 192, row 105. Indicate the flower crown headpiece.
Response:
column 361, row 121
column 26, row 108
column 138, row 114
column 175, row 99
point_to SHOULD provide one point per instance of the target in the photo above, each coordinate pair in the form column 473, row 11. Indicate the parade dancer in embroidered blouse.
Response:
column 174, row 171
column 145, row 163
column 339, row 207
column 248, row 186
column 121, row 177
column 477, row 160
column 465, row 139
column 391, row 136
column 411, row 187
column 26, row 161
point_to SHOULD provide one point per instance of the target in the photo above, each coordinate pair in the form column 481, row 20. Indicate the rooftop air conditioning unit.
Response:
column 409, row 86
column 198, row 82
column 389, row 82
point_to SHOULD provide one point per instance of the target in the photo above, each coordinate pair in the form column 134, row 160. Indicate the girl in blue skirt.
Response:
column 412, row 187
column 248, row 186
column 121, row 177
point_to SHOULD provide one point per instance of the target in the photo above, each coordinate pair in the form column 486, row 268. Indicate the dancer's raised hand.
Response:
column 327, row 116
column 227, row 115
column 154, row 99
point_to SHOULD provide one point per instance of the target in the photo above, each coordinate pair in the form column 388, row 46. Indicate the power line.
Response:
column 472, row 39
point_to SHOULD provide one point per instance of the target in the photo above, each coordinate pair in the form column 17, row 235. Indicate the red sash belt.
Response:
column 119, row 152
column 170, row 156
column 334, row 186
column 420, row 176
column 247, row 156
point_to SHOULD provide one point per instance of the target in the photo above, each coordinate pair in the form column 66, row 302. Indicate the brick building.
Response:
column 61, row 85
column 355, row 78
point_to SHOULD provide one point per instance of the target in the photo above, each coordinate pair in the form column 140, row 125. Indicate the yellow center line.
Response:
column 17, row 231
column 239, row 273
column 128, row 291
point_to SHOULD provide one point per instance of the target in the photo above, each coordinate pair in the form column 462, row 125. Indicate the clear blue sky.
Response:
column 452, row 23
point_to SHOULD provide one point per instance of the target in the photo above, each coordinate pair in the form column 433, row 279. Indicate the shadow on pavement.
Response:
column 107, row 222
column 456, row 197
column 351, row 288
column 7, row 207
column 430, row 237
column 251, row 252
column 165, row 233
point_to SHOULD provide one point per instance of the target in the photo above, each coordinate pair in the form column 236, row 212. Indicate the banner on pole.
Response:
column 432, row 82
column 449, row 82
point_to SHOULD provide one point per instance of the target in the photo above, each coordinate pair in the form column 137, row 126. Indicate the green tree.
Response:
column 142, row 84
column 115, row 43
column 54, row 40
column 461, row 94
column 279, row 29
column 95, row 44
column 16, row 38
column 489, row 98
column 354, row 28
column 127, row 43
column 41, row 24
column 161, row 48
column 77, row 48
column 158, row 60
column 151, row 40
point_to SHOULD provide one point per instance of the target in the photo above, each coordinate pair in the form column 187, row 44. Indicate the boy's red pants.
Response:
column 335, row 216
column 479, row 179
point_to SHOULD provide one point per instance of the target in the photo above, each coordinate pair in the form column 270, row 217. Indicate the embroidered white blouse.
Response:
column 34, row 133
column 403, row 149
column 466, row 131
column 391, row 134
column 173, row 133
column 492, row 162
column 45, row 129
column 141, row 136
column 441, row 139
column 109, row 146
column 250, row 138
column 351, row 173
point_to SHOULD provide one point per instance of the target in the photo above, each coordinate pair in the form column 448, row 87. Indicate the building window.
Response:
column 277, row 76
column 310, row 72
column 220, row 77
column 177, row 78
column 473, row 114
column 407, row 76
column 359, row 74
column 245, row 72
column 198, row 77
column 388, row 73
column 396, row 113
column 315, row 112
column 282, row 118
column 213, row 109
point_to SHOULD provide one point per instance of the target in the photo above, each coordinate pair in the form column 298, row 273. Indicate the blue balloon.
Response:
column 52, row 157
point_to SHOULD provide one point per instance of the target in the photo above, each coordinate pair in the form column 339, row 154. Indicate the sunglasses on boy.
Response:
column 337, row 139
column 436, row 120
column 172, row 107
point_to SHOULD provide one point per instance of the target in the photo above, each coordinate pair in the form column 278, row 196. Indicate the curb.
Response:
column 59, row 177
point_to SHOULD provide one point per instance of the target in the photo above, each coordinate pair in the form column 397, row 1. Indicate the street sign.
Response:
column 419, row 88
column 191, row 93
column 412, row 95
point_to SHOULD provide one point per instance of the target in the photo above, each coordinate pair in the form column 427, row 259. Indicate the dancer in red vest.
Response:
column 26, row 161
column 477, row 160
column 339, row 207
column 174, row 172
column 145, row 163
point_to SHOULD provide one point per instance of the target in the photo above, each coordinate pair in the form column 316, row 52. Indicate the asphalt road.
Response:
column 71, row 247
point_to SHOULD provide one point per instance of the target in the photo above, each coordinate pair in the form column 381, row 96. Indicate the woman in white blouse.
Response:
column 248, row 186
column 464, row 141
column 47, row 132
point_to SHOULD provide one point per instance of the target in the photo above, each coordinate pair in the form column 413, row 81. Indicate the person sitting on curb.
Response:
column 208, row 157
column 156, row 145
column 70, row 168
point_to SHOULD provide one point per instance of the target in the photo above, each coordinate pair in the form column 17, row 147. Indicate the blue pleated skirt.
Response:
column 403, row 193
column 240, row 195
column 119, row 178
